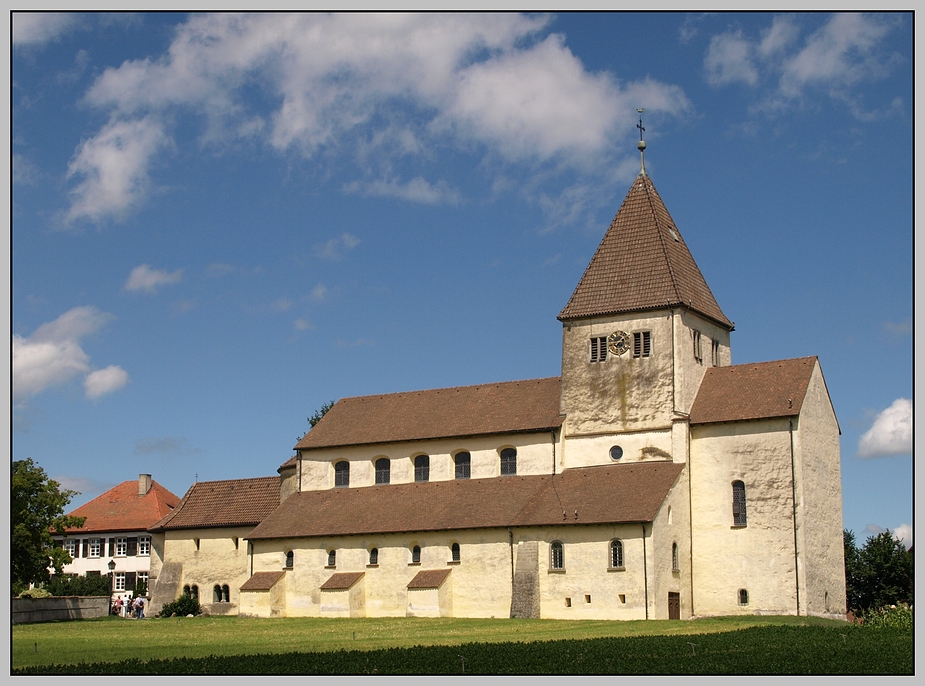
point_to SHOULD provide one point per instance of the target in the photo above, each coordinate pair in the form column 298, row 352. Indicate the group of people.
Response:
column 135, row 608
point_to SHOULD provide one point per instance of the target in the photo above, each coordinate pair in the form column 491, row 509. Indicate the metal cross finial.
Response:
column 641, row 144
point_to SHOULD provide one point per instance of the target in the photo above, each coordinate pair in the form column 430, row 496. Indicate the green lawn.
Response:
column 113, row 639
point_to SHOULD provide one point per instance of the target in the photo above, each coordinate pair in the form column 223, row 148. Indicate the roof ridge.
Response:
column 452, row 388
column 658, row 225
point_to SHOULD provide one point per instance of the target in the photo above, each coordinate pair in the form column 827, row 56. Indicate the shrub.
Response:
column 892, row 617
column 182, row 606
column 35, row 593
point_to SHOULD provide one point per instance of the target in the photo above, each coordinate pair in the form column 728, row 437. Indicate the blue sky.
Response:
column 221, row 222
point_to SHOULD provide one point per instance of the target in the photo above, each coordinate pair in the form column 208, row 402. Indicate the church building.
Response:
column 653, row 479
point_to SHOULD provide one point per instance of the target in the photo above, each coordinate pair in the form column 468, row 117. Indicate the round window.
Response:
column 616, row 452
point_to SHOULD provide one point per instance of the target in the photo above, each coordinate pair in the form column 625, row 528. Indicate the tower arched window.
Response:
column 508, row 462
column 616, row 554
column 383, row 467
column 463, row 462
column 738, row 504
column 556, row 555
column 342, row 474
column 422, row 468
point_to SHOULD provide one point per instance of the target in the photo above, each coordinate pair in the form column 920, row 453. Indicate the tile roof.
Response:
column 341, row 581
column 261, row 581
column 236, row 502
column 753, row 391
column 642, row 263
column 512, row 406
column 122, row 509
column 429, row 578
column 630, row 492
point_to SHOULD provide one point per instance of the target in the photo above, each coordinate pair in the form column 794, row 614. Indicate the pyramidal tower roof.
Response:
column 641, row 264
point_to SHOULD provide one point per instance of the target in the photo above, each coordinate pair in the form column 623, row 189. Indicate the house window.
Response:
column 743, row 596
column 422, row 468
column 698, row 347
column 119, row 581
column 342, row 474
column 416, row 555
column 70, row 546
column 332, row 558
column 142, row 578
column 675, row 567
column 374, row 556
column 556, row 555
column 463, row 463
column 738, row 504
column 290, row 559
column 144, row 545
column 599, row 349
column 454, row 552
column 508, row 462
column 121, row 547
column 716, row 353
column 95, row 547
column 382, row 470
column 642, row 344
column 616, row 554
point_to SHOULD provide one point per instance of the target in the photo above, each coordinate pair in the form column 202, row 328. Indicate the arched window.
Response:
column 187, row 590
column 416, row 555
column 463, row 465
column 226, row 594
column 194, row 591
column 743, row 596
column 217, row 594
column 556, row 555
column 454, row 552
column 675, row 567
column 508, row 462
column 382, row 470
column 422, row 468
column 289, row 559
column 374, row 556
column 342, row 474
column 738, row 504
column 332, row 557
column 616, row 554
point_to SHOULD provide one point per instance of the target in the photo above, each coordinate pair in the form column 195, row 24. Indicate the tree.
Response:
column 37, row 506
column 879, row 574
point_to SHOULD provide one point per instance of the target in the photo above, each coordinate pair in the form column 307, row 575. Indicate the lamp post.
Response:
column 112, row 578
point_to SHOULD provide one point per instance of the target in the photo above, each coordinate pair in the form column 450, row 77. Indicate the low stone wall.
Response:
column 32, row 610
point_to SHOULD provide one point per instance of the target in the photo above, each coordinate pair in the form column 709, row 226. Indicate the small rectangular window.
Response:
column 716, row 353
column 698, row 347
column 642, row 344
column 599, row 349
column 95, row 547
column 121, row 547
column 119, row 581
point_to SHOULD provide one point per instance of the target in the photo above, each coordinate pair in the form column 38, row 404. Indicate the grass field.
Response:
column 113, row 639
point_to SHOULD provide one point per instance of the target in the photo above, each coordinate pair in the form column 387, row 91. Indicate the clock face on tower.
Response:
column 618, row 342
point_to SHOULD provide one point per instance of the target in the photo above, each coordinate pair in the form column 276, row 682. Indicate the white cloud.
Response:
column 165, row 445
column 52, row 355
column 104, row 381
column 319, row 292
column 144, row 278
column 903, row 533
column 846, row 51
column 38, row 28
column 891, row 433
column 416, row 190
column 374, row 86
column 729, row 60
column 335, row 247
column 302, row 324
column 113, row 168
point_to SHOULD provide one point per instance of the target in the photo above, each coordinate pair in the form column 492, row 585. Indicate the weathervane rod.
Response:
column 641, row 144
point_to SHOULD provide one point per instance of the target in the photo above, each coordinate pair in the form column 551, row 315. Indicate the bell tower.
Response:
column 639, row 332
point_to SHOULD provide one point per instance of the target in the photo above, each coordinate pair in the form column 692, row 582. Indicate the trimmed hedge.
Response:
column 799, row 650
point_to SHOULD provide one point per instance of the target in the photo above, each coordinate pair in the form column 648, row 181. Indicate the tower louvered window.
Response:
column 738, row 504
column 599, row 349
column 508, row 462
column 642, row 344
